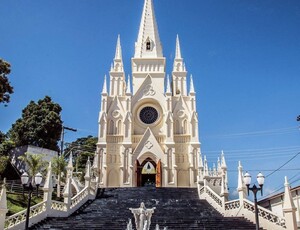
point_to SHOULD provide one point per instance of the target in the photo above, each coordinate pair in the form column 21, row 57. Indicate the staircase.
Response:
column 176, row 208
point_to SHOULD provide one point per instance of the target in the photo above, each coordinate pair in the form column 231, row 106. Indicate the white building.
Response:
column 148, row 131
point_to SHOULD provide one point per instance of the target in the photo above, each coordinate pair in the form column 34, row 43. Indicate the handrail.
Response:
column 215, row 197
column 57, row 205
column 79, row 197
column 233, row 204
column 265, row 213
column 21, row 216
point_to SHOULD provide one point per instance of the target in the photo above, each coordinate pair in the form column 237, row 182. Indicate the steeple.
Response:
column 118, row 62
column 179, row 65
column 179, row 72
column 148, row 42
column 118, row 54
column 117, row 75
column 178, row 51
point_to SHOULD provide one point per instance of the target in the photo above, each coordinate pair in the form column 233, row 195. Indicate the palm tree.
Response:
column 59, row 166
column 34, row 162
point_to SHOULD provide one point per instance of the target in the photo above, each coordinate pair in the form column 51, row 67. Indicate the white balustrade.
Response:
column 20, row 217
column 59, row 206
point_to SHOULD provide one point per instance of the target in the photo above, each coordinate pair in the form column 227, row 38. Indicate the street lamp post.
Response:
column 62, row 137
column 255, row 189
column 24, row 179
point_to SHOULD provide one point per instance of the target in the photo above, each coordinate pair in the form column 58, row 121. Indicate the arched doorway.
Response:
column 148, row 173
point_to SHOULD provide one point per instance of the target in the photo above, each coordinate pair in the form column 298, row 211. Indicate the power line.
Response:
column 258, row 133
column 266, row 170
column 283, row 164
column 281, row 187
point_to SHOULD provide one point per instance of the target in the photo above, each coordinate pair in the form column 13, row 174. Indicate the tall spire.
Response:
column 178, row 65
column 148, row 42
column 118, row 54
column 178, row 51
column 118, row 62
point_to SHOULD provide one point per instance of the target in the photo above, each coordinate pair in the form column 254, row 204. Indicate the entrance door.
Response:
column 138, row 173
column 158, row 174
column 147, row 173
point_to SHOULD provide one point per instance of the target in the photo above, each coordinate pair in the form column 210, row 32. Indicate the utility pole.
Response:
column 63, row 128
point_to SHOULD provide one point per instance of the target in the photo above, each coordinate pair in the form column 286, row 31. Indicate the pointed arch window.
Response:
column 185, row 126
column 119, row 127
column 111, row 127
column 177, row 127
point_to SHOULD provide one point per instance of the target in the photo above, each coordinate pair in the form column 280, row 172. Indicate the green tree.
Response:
column 2, row 137
column 82, row 148
column 34, row 162
column 5, row 88
column 40, row 125
column 59, row 165
column 5, row 146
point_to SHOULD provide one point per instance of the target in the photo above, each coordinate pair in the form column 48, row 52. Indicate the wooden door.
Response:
column 158, row 174
column 138, row 173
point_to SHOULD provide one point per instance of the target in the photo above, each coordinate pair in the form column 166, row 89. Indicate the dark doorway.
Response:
column 146, row 173
column 148, row 180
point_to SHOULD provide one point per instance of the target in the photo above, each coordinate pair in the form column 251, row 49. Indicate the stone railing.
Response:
column 264, row 214
column 79, row 197
column 58, row 206
column 242, row 208
column 19, row 218
column 213, row 198
column 49, row 207
column 232, row 205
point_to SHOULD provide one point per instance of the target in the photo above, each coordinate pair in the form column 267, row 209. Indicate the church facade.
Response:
column 148, row 130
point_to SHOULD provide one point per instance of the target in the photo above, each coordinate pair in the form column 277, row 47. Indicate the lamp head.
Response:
column 247, row 179
column 260, row 179
column 38, row 179
column 24, row 178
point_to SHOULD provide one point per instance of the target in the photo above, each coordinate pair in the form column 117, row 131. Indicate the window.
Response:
column 148, row 115
column 148, row 45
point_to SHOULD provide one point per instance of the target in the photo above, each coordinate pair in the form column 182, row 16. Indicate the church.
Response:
column 148, row 122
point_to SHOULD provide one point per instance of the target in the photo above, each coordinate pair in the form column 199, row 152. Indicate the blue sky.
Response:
column 244, row 56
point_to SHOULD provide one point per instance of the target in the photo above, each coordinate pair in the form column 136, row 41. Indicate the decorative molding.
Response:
column 148, row 145
column 149, row 91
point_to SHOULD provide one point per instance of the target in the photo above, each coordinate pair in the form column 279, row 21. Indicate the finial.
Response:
column 223, row 162
column 168, row 90
column 128, row 90
column 286, row 183
column 192, row 90
column 104, row 90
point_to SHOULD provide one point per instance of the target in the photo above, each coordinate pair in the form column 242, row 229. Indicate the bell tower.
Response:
column 148, row 56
